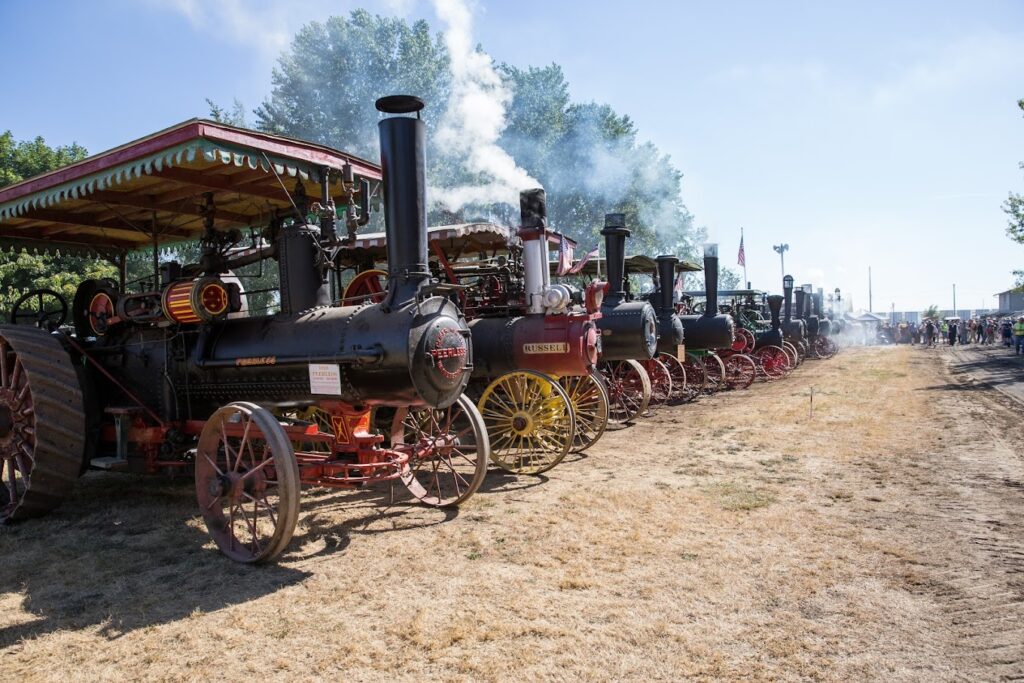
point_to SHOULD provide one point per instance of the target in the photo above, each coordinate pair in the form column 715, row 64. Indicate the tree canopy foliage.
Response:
column 1014, row 208
column 589, row 158
column 23, row 271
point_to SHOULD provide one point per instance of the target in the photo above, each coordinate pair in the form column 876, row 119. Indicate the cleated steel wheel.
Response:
column 774, row 362
column 629, row 390
column 824, row 347
column 748, row 340
column 529, row 420
column 714, row 372
column 448, row 451
column 247, row 482
column 590, row 408
column 42, row 423
column 682, row 391
column 791, row 353
column 696, row 377
column 661, row 381
column 740, row 371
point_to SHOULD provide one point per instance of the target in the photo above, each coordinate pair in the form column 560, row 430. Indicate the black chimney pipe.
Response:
column 799, row 296
column 615, row 233
column 775, row 305
column 403, row 165
column 787, row 290
column 711, row 279
column 666, row 283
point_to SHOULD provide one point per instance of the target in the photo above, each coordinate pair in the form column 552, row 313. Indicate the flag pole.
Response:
column 745, row 280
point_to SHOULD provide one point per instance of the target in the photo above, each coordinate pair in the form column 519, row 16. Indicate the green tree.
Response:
column 587, row 156
column 930, row 312
column 22, row 271
column 1014, row 208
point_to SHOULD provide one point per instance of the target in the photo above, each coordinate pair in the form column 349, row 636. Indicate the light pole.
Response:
column 781, row 250
column 954, row 299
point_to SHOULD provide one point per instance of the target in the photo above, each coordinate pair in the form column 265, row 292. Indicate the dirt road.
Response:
column 881, row 538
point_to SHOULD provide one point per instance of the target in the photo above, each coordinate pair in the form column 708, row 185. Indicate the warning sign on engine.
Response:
column 324, row 378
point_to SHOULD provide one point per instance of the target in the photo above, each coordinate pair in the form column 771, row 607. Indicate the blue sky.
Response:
column 860, row 133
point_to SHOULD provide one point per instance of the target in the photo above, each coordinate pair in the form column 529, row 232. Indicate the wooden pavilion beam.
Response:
column 150, row 203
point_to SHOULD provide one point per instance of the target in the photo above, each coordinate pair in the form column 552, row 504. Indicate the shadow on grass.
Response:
column 129, row 552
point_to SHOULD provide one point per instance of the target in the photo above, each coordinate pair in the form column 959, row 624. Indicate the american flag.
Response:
column 564, row 256
column 741, row 258
column 583, row 261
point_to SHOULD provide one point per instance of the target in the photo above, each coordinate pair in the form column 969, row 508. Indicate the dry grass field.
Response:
column 736, row 538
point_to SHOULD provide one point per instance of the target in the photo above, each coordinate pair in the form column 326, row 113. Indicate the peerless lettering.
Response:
column 551, row 347
column 258, row 360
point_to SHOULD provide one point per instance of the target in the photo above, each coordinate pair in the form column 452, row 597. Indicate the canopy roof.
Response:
column 452, row 239
column 150, row 191
column 637, row 263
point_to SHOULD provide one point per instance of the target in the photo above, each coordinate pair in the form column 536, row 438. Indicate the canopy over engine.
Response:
column 712, row 330
column 628, row 328
column 670, row 327
column 550, row 337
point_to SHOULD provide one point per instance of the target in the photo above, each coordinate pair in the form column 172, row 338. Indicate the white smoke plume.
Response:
column 475, row 118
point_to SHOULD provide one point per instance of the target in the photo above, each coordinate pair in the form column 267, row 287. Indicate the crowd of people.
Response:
column 954, row 331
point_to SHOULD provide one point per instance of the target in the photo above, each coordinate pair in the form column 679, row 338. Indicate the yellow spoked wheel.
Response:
column 529, row 420
column 589, row 406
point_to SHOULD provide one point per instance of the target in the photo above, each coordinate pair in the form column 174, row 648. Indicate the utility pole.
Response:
column 871, row 308
column 954, row 299
column 781, row 250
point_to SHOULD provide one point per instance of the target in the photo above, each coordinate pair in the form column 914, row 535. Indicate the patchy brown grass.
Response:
column 733, row 538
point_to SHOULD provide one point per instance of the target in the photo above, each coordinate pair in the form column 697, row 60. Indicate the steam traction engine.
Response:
column 536, row 345
column 180, row 378
column 629, row 332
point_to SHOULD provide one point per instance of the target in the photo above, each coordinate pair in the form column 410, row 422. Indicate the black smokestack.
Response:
column 615, row 234
column 711, row 279
column 533, row 208
column 816, row 298
column 403, row 163
column 775, row 305
column 799, row 294
column 666, row 282
column 787, row 290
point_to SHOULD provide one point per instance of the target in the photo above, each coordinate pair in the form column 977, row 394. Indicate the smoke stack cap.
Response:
column 615, row 223
column 400, row 104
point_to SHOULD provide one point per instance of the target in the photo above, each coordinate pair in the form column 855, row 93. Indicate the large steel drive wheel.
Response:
column 590, row 408
column 824, row 347
column 748, row 340
column 247, row 482
column 448, row 451
column 42, row 423
column 629, row 390
column 740, row 371
column 696, row 377
column 530, row 421
column 367, row 286
column 714, row 372
column 774, row 362
column 682, row 391
column 661, row 381
column 791, row 353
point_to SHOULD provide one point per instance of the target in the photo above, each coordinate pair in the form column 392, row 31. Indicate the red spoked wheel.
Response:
column 247, row 482
column 682, row 391
column 661, row 381
column 714, row 371
column 748, row 340
column 774, row 363
column 629, row 390
column 740, row 371
column 448, row 451
column 696, row 377
column 824, row 347
column 367, row 286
